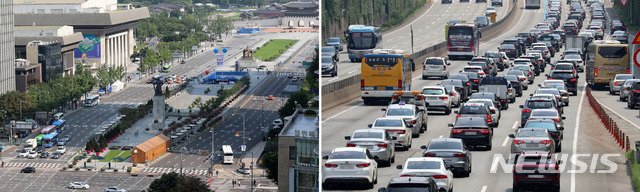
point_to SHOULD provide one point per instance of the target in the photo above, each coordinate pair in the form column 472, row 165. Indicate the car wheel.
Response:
column 612, row 92
column 489, row 146
column 326, row 186
column 84, row 187
column 559, row 148
column 424, row 77
column 72, row 187
column 447, row 111
column 393, row 159
column 416, row 135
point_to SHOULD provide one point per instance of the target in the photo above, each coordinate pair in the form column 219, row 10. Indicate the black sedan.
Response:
column 28, row 170
column 454, row 153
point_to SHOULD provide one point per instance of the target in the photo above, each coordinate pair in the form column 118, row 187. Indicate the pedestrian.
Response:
column 254, row 182
column 233, row 183
column 216, row 172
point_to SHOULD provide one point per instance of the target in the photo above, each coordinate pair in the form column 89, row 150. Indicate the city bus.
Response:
column 605, row 59
column 48, row 129
column 92, row 101
column 362, row 40
column 227, row 154
column 384, row 72
column 39, row 139
column 61, row 125
column 463, row 40
column 166, row 67
column 50, row 140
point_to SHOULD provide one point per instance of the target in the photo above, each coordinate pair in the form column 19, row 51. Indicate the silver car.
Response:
column 564, row 94
column 532, row 139
column 624, row 90
column 378, row 141
column 550, row 114
column 396, row 127
column 614, row 86
column 554, row 92
column 435, row 67
column 453, row 151
column 621, row 36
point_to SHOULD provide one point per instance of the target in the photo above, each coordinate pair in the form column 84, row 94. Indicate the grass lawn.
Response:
column 125, row 154
column 273, row 49
column 111, row 155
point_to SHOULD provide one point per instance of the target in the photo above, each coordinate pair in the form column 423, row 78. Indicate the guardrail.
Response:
column 620, row 137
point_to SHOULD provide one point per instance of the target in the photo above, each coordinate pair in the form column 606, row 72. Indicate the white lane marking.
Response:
column 504, row 143
column 484, row 188
column 575, row 143
column 352, row 71
column 340, row 113
column 421, row 16
column 441, row 136
column 494, row 164
column 515, row 125
column 635, row 125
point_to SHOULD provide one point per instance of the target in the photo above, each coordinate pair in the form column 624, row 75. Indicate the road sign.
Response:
column 238, row 134
column 624, row 2
column 243, row 148
column 636, row 57
column 637, row 39
column 261, row 128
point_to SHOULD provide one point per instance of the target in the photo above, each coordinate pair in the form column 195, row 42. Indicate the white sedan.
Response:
column 396, row 127
column 114, row 189
column 348, row 165
column 428, row 167
column 32, row 155
column 78, row 185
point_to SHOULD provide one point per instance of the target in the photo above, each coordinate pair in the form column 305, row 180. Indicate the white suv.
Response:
column 411, row 114
column 396, row 127
column 437, row 98
column 435, row 67
column 348, row 165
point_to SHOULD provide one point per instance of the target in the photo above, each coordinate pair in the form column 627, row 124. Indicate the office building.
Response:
column 7, row 55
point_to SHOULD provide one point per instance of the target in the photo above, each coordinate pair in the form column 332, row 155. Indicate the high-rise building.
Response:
column 7, row 55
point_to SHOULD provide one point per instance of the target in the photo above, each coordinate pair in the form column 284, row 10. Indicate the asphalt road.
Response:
column 428, row 30
column 486, row 175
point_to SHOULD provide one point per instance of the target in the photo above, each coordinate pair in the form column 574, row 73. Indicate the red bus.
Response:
column 463, row 40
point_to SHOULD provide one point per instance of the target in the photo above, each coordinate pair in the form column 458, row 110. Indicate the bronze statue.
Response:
column 157, row 82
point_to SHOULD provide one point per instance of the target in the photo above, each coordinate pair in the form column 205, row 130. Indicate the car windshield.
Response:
column 491, row 8
column 347, row 155
column 539, row 124
column 561, row 75
column 531, row 133
column 333, row 40
column 511, row 78
column 623, row 77
column 328, row 50
column 471, row 109
column 399, row 112
column 360, row 135
column 445, row 145
column 573, row 56
column 507, row 46
column 522, row 67
column 481, row 19
column 432, row 91
column 388, row 123
column 535, row 159
column 556, row 86
column 423, row 165
column 564, row 67
column 409, row 187
column 452, row 82
column 327, row 60
column 492, row 54
column 477, row 122
column 545, row 113
column 434, row 62
column 515, row 72
column 547, row 91
column 629, row 82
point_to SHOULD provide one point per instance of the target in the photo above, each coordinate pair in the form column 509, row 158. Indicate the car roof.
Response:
column 357, row 149
column 548, row 110
column 431, row 87
column 532, row 129
column 435, row 159
column 407, row 106
column 397, row 180
column 389, row 118
column 446, row 139
column 368, row 130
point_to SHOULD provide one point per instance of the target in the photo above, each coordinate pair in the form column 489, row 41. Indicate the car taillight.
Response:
column 480, row 73
column 384, row 145
column 484, row 131
column 456, row 130
column 458, row 116
column 595, row 72
column 523, row 79
column 471, row 47
column 557, row 119
column 546, row 51
column 439, row 176
column 399, row 131
column 399, row 85
column 454, row 94
column 468, row 83
column 447, row 47
column 424, row 67
column 546, row 142
column 574, row 29
column 414, row 121
column 363, row 165
column 529, row 73
column 443, row 98
column 459, row 155
column 616, row 83
column 501, row 100
column 475, row 80
column 627, row 71
column 517, row 142
column 351, row 145
column 429, row 154
column 526, row 111
column 330, row 165
column 488, row 118
column 636, row 91
column 362, row 84
column 407, row 175
column 444, row 68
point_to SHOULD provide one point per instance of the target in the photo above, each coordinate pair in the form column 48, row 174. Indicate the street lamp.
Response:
column 21, row 107
column 213, row 151
column 181, row 154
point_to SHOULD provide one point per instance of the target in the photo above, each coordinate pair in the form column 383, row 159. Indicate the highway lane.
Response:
column 428, row 30
column 341, row 122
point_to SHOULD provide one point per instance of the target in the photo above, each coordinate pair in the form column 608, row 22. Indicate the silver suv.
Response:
column 435, row 67
column 411, row 114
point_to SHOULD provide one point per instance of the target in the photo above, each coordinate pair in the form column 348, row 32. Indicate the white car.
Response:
column 396, row 127
column 438, row 98
column 61, row 150
column 490, row 10
column 435, row 67
column 621, row 36
column 32, row 155
column 277, row 123
column 616, row 83
column 114, row 189
column 433, row 167
column 454, row 96
column 598, row 30
column 23, row 153
column 349, row 165
column 244, row 170
column 78, row 185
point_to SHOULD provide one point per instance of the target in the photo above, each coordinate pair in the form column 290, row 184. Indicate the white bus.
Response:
column 92, row 101
column 227, row 154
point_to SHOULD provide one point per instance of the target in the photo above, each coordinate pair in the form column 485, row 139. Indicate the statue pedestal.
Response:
column 158, row 112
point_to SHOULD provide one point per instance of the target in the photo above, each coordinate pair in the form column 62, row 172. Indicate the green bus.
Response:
column 39, row 139
column 166, row 67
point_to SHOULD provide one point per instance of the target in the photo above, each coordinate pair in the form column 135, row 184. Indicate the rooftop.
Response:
column 19, row 28
column 301, row 4
column 79, row 19
column 44, row 2
column 301, row 126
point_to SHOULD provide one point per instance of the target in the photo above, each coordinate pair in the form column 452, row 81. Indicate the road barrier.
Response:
column 344, row 90
column 609, row 123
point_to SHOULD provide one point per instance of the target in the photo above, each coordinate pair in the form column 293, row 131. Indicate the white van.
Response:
column 277, row 123
column 227, row 154
column 58, row 116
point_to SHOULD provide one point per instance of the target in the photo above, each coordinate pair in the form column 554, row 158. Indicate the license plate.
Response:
column 447, row 159
column 367, row 146
column 532, row 145
column 459, row 49
column 348, row 166
column 536, row 176
column 470, row 133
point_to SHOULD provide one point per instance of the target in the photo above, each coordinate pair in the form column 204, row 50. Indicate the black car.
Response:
column 634, row 95
column 44, row 154
column 554, row 42
column 520, row 45
column 40, row 149
column 617, row 26
column 529, row 39
column 447, row 1
column 453, row 151
column 562, row 34
column 465, row 81
column 569, row 78
column 329, row 66
column 516, row 83
column 537, row 103
column 570, row 29
column 56, row 155
column 474, row 78
column 555, row 130
column 534, row 170
column 28, row 170
column 458, row 85
column 402, row 184
column 474, row 131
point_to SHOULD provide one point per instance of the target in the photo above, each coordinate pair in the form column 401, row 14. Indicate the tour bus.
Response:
column 362, row 40
column 61, row 125
column 384, row 72
column 92, row 101
column 605, row 59
column 532, row 4
column 48, row 129
column 50, row 140
column 463, row 40
column 39, row 139
column 228, row 154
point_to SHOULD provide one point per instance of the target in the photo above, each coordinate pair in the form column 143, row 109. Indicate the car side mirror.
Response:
column 497, row 47
column 382, row 189
column 394, row 138
column 456, row 112
column 423, row 147
column 383, row 109
column 347, row 137
column 451, row 93
column 521, row 106
column 563, row 118
column 448, row 63
column 539, row 85
column 559, row 162
column 410, row 126
column 325, row 157
column 450, row 167
column 531, row 95
column 512, row 136
column 460, row 71
column 450, row 124
column 426, row 105
column 398, row 166
column 560, row 128
column 493, row 111
column 519, row 127
column 370, row 125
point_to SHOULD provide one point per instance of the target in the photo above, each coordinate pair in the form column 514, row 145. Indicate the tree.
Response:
column 220, row 25
column 10, row 102
column 270, row 163
column 174, row 182
column 301, row 98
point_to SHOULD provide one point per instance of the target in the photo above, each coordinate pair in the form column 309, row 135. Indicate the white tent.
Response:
column 117, row 86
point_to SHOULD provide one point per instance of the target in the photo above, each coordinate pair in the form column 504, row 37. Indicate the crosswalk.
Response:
column 33, row 164
column 287, row 74
column 186, row 170
column 151, row 85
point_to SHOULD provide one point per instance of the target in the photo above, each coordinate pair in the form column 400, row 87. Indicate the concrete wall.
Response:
column 284, row 163
column 62, row 31
column 30, row 8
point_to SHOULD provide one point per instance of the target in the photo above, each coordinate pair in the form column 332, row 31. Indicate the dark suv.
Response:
column 634, row 95
column 537, row 103
column 479, row 110
column 418, row 184
column 536, row 170
column 569, row 78
column 473, row 131
column 555, row 130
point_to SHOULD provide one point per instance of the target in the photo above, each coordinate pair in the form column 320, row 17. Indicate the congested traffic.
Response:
column 522, row 88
